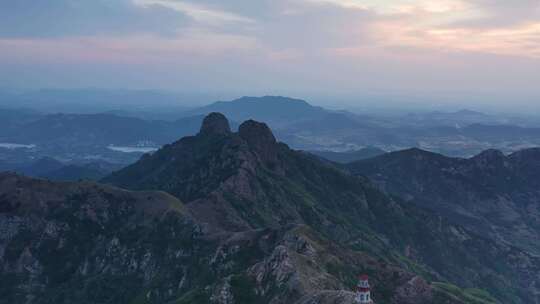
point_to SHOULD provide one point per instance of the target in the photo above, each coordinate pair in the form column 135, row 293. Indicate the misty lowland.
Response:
column 269, row 152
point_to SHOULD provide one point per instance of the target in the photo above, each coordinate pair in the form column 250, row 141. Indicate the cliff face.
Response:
column 247, row 220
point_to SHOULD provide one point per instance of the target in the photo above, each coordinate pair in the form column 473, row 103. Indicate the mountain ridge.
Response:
column 490, row 193
column 238, row 189
column 225, row 217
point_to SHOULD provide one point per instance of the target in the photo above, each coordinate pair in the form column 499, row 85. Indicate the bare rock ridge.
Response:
column 215, row 123
column 256, row 133
column 260, row 138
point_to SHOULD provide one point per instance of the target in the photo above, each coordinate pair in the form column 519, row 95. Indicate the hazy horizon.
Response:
column 369, row 102
column 448, row 53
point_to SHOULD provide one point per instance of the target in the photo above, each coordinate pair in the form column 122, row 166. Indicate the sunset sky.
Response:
column 340, row 47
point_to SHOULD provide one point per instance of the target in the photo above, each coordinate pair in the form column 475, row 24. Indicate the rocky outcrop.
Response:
column 215, row 123
column 259, row 137
column 415, row 290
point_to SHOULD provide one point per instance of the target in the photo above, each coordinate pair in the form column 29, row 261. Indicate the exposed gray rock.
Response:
column 215, row 123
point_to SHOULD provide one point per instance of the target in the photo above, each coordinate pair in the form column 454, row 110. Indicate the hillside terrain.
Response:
column 89, row 243
column 491, row 193
column 248, row 180
column 247, row 220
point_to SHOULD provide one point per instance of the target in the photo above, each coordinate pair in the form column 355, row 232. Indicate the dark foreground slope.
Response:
column 90, row 243
column 87, row 243
column 246, row 180
column 492, row 194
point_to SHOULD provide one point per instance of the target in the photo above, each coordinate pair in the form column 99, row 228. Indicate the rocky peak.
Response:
column 260, row 138
column 256, row 133
column 215, row 123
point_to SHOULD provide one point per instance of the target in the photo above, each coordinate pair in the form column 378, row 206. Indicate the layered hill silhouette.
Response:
column 80, row 137
column 238, row 217
column 98, row 129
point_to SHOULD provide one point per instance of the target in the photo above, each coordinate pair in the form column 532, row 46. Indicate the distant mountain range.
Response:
column 306, row 127
column 276, row 110
column 79, row 137
column 146, row 104
column 99, row 129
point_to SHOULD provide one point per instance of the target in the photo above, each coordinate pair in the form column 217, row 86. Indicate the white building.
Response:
column 363, row 291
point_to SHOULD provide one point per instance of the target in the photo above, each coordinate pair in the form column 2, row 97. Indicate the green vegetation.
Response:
column 468, row 296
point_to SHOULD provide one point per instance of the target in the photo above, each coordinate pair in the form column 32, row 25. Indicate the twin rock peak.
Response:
column 257, row 134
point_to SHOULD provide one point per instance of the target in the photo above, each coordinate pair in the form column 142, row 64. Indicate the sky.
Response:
column 455, row 50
